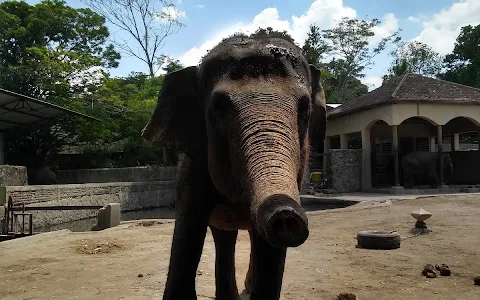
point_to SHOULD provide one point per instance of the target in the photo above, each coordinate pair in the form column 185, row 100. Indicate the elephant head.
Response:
column 247, row 110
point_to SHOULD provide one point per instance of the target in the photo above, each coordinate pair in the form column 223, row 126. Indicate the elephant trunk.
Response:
column 268, row 144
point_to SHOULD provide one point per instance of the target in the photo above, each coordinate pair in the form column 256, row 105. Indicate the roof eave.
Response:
column 66, row 110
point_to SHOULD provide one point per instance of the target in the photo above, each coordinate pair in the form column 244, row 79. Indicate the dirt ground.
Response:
column 108, row 264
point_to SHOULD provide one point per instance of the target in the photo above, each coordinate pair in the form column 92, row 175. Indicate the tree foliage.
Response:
column 148, row 22
column 350, row 40
column 171, row 65
column 348, row 47
column 315, row 47
column 414, row 57
column 463, row 64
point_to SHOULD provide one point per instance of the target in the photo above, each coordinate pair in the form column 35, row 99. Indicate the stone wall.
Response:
column 13, row 175
column 346, row 169
column 133, row 174
column 130, row 195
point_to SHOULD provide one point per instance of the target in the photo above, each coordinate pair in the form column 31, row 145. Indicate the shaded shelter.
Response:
column 409, row 113
column 19, row 110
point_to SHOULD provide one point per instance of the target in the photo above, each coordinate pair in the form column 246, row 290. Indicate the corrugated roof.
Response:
column 410, row 87
column 20, row 110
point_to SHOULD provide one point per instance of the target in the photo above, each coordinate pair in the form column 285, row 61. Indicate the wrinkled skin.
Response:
column 425, row 166
column 41, row 176
column 243, row 117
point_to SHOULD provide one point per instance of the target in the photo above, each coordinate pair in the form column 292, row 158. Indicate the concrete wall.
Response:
column 134, row 174
column 13, row 175
column 346, row 169
column 130, row 195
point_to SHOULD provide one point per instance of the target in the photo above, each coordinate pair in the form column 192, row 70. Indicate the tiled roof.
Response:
column 410, row 87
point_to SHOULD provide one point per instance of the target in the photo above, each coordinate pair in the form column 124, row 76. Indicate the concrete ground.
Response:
column 130, row 261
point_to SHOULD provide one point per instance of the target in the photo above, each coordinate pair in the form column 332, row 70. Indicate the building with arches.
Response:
column 411, row 112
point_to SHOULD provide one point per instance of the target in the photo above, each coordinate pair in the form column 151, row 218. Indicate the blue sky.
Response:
column 435, row 22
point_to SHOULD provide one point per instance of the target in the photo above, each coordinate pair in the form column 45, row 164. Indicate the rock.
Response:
column 444, row 270
column 346, row 296
column 476, row 280
column 199, row 272
column 148, row 223
column 140, row 275
column 429, row 271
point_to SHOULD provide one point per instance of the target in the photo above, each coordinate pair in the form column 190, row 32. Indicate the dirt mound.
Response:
column 92, row 247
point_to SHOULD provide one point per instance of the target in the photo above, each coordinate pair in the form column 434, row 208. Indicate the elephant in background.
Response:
column 424, row 166
column 243, row 118
column 41, row 176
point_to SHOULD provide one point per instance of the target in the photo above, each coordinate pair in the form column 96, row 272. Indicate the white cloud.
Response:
column 173, row 12
column 441, row 31
column 419, row 18
column 372, row 82
column 413, row 19
column 386, row 28
column 323, row 13
column 200, row 6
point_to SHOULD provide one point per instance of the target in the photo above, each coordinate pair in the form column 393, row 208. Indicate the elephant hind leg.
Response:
column 225, row 281
column 433, row 178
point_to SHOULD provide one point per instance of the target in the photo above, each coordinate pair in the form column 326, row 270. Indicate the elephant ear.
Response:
column 177, row 117
column 318, row 118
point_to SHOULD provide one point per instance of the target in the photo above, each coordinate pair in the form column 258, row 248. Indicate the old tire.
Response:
column 372, row 239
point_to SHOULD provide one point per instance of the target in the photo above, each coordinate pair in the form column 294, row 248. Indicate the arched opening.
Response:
column 460, row 141
column 415, row 134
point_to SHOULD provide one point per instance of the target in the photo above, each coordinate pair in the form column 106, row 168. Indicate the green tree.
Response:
column 348, row 47
column 463, row 64
column 56, row 53
column 148, row 22
column 125, row 104
column 350, row 42
column 414, row 57
column 171, row 65
column 315, row 47
column 396, row 70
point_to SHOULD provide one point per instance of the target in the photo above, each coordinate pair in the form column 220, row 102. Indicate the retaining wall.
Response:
column 346, row 169
column 130, row 195
column 133, row 174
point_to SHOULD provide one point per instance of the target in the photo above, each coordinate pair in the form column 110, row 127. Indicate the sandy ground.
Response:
column 107, row 264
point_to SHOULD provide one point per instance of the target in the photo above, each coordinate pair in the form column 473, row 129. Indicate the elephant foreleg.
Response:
column 191, row 221
column 225, row 281
column 268, row 267
column 249, row 277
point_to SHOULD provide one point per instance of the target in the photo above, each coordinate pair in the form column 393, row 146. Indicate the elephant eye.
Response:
column 220, row 103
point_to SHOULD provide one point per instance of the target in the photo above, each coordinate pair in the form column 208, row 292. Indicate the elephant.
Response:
column 41, row 176
column 243, row 118
column 425, row 166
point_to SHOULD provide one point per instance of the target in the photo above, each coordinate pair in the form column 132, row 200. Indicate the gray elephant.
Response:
column 243, row 118
column 424, row 166
column 41, row 176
